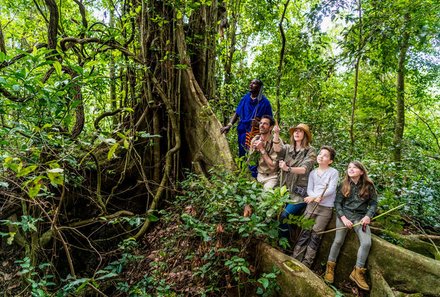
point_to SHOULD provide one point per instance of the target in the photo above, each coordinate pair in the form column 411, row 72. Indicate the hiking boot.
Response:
column 330, row 272
column 358, row 276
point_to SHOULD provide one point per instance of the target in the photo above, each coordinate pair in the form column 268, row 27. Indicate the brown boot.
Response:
column 358, row 276
column 330, row 272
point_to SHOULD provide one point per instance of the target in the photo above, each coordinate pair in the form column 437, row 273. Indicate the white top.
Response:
column 317, row 183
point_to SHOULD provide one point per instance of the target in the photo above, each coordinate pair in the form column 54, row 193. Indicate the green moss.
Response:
column 292, row 266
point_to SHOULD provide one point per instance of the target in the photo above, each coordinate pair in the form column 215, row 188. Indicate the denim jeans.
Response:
column 294, row 209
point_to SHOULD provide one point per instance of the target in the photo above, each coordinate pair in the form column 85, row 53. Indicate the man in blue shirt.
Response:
column 249, row 111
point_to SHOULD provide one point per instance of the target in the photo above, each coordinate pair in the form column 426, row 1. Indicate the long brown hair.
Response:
column 364, row 182
column 305, row 143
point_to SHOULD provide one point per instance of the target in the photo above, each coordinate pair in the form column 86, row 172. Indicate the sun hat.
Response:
column 303, row 127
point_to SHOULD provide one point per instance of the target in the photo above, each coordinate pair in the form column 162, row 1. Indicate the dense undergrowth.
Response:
column 201, row 244
column 204, row 245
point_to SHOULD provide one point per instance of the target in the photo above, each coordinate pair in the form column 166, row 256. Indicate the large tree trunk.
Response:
column 207, row 146
column 295, row 279
column 391, row 269
column 203, row 29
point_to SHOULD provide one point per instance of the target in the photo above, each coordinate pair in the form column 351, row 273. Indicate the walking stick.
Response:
column 320, row 197
column 358, row 223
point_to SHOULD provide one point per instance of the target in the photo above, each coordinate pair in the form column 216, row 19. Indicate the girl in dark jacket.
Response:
column 356, row 202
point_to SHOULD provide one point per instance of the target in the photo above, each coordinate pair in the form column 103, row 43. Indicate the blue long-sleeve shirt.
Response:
column 248, row 109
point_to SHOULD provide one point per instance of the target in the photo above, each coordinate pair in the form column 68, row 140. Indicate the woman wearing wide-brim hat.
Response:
column 296, row 162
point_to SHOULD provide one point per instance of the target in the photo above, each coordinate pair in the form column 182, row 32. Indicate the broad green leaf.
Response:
column 10, row 239
column 179, row 15
column 264, row 282
column 27, row 170
column 121, row 135
column 55, row 170
column 112, row 151
column 34, row 190
column 57, row 67
column 126, row 144
column 108, row 275
column 152, row 218
column 55, row 176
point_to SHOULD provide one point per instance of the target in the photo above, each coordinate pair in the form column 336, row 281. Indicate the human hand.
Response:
column 365, row 221
column 276, row 129
column 308, row 199
column 347, row 222
column 225, row 129
column 283, row 165
column 247, row 210
column 258, row 144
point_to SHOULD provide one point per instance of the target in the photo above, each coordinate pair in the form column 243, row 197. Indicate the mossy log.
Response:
column 421, row 244
column 295, row 279
column 392, row 270
column 390, row 267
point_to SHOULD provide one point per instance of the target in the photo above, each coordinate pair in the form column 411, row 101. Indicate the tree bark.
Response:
column 400, row 88
column 207, row 146
column 2, row 41
column 391, row 269
column 204, row 29
column 295, row 279
column 280, row 65
column 356, row 78
column 387, row 264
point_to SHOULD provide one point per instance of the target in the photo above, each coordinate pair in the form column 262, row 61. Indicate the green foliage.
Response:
column 300, row 220
column 27, row 223
column 267, row 284
column 41, row 163
column 423, row 203
column 38, row 277
column 208, row 217
column 219, row 201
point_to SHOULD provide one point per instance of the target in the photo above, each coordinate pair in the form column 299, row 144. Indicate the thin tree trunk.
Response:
column 280, row 65
column 400, row 100
column 232, row 38
column 356, row 79
column 112, row 72
column 52, row 29
column 2, row 41
column 2, row 50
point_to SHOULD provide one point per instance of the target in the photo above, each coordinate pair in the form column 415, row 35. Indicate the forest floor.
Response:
column 162, row 256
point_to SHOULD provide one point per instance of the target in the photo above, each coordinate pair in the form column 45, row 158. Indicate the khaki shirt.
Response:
column 306, row 158
column 263, row 168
